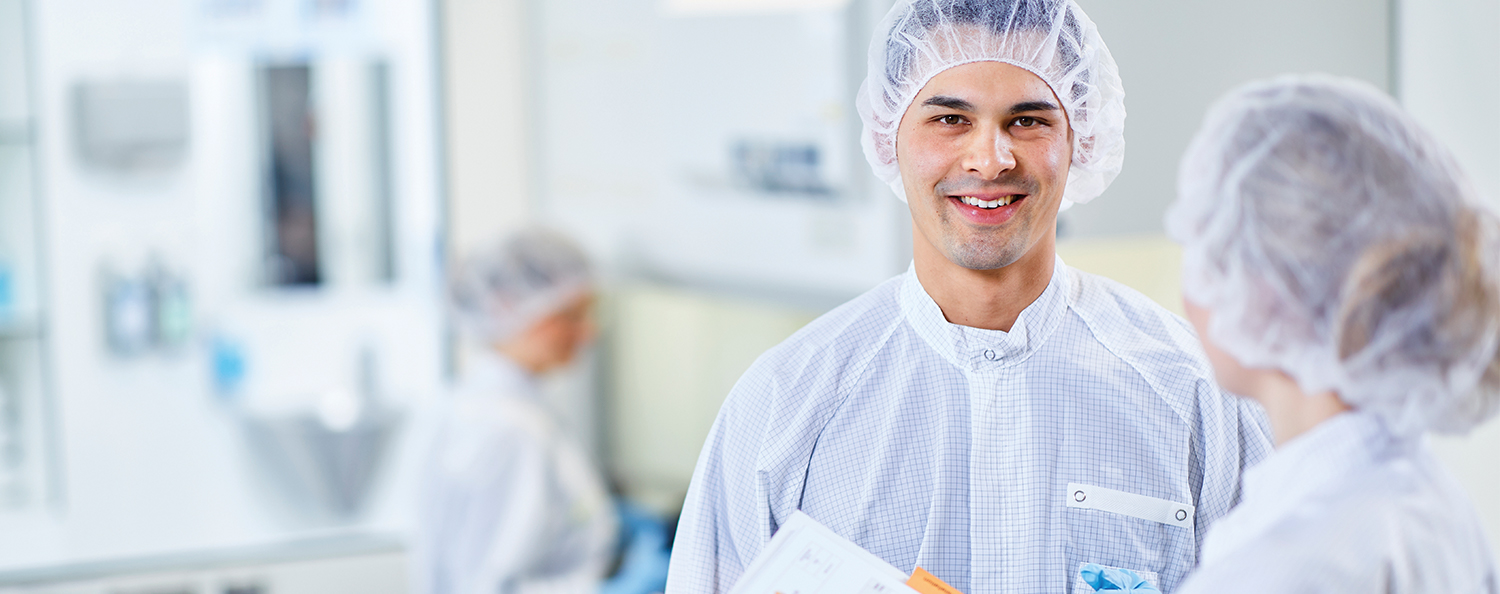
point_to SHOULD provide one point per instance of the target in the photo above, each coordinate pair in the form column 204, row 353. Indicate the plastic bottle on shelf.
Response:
column 7, row 294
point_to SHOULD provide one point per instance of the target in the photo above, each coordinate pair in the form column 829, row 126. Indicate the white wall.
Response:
column 489, row 119
column 675, row 355
column 1177, row 56
column 1449, row 79
column 638, row 109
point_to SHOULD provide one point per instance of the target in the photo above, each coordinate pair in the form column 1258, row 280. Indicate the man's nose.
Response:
column 989, row 154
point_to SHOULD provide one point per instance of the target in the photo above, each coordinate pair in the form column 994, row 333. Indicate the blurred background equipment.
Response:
column 288, row 125
column 220, row 236
column 30, row 456
column 324, row 132
column 258, row 199
column 326, row 460
column 127, row 126
column 147, row 310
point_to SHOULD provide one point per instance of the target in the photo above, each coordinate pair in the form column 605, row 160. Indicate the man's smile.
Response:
column 990, row 203
column 988, row 209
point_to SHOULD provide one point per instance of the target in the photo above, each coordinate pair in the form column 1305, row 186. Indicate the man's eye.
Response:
column 951, row 120
column 1026, row 122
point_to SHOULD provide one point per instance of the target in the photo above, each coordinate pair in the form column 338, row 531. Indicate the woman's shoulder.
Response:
column 1400, row 524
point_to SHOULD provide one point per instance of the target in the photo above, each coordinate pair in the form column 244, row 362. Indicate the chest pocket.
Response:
column 1146, row 508
column 1151, row 536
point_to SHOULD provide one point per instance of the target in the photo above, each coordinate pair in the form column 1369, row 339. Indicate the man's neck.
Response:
column 987, row 299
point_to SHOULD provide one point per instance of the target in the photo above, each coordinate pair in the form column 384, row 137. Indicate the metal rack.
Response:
column 29, row 477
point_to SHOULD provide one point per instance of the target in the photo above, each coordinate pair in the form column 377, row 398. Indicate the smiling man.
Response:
column 992, row 416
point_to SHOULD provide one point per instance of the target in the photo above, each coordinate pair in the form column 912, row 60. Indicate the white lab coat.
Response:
column 1348, row 507
column 953, row 448
column 510, row 504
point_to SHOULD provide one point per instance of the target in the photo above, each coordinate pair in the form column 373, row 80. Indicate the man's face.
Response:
column 559, row 336
column 984, row 152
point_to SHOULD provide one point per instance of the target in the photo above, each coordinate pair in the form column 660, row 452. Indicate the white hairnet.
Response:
column 1052, row 39
column 1334, row 240
column 499, row 292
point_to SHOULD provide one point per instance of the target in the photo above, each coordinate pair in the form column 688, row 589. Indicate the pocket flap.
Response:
column 1130, row 504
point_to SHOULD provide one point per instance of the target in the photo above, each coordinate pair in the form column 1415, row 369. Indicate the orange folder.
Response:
column 926, row 583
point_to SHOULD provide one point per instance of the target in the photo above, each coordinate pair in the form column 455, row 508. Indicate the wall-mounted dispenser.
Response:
column 131, row 125
column 127, row 314
column 780, row 167
column 146, row 310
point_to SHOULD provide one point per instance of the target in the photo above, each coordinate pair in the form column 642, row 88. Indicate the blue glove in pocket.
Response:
column 1102, row 578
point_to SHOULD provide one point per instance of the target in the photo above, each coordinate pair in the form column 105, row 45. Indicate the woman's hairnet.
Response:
column 1335, row 240
column 1052, row 39
column 498, row 292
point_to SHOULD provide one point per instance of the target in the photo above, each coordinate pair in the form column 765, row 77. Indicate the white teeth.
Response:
column 972, row 201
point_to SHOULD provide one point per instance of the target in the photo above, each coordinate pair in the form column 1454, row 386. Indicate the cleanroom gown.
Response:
column 1349, row 507
column 959, row 450
column 511, row 503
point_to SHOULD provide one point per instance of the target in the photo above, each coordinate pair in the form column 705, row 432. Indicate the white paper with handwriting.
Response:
column 805, row 557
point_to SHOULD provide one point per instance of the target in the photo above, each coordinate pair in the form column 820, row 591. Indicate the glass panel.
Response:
column 325, row 129
column 288, row 127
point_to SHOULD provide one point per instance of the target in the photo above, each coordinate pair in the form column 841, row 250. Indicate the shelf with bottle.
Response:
column 18, row 316
column 29, row 471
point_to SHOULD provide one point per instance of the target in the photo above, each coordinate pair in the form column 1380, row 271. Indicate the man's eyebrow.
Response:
column 1026, row 106
column 949, row 102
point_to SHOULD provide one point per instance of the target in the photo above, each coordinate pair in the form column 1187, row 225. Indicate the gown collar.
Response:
column 978, row 350
column 493, row 373
column 1333, row 448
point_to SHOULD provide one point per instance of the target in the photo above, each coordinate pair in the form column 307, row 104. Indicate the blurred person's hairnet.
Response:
column 1335, row 240
column 498, row 292
column 1052, row 39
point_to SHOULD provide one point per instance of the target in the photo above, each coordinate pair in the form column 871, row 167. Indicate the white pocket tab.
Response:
column 1130, row 504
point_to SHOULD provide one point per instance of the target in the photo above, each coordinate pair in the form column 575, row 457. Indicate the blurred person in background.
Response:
column 510, row 502
column 1342, row 272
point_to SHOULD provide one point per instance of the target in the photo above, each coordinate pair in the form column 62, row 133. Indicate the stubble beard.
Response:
column 977, row 249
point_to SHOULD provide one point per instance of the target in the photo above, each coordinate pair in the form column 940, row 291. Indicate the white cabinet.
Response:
column 378, row 571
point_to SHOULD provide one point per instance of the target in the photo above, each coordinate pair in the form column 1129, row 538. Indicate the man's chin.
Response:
column 978, row 258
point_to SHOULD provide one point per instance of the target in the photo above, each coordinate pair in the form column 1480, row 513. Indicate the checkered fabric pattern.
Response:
column 950, row 448
column 1348, row 507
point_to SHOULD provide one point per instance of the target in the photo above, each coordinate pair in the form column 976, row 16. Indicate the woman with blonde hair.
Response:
column 1342, row 272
